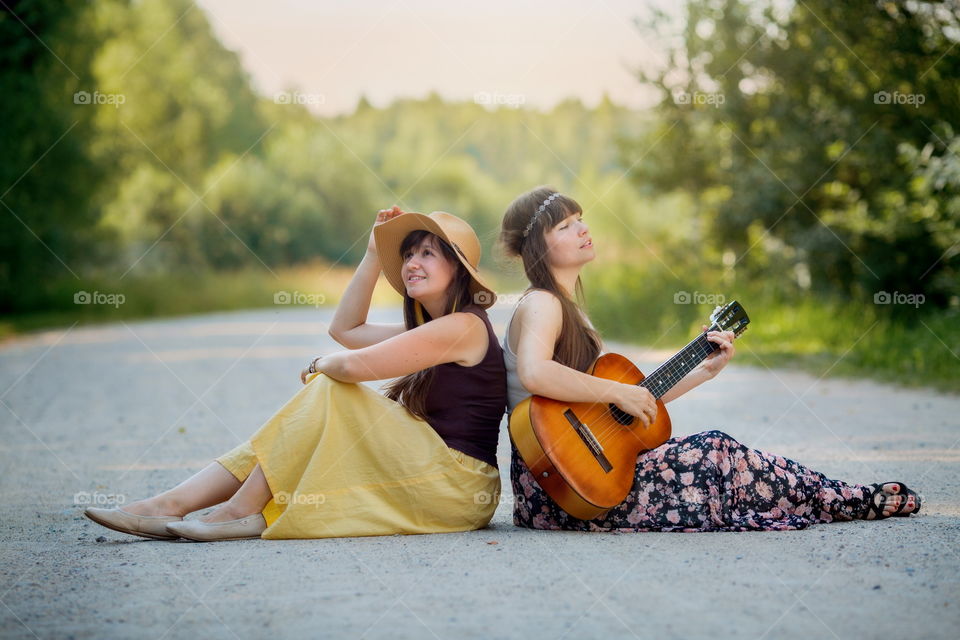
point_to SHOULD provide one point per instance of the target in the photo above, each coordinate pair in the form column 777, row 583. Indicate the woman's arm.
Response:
column 706, row 370
column 349, row 326
column 690, row 381
column 458, row 337
column 539, row 320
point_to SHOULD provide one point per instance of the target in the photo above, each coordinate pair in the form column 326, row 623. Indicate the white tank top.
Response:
column 516, row 392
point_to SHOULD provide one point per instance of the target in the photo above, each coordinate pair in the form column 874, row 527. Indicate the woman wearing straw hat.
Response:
column 340, row 459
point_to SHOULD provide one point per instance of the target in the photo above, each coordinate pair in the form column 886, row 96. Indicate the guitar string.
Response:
column 699, row 347
column 666, row 379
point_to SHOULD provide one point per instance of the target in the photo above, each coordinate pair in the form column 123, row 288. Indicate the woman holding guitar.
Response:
column 704, row 482
column 340, row 459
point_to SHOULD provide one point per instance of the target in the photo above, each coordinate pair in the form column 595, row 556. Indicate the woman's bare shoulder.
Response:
column 541, row 309
column 536, row 299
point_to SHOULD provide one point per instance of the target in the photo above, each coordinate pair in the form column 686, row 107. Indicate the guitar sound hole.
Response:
column 621, row 416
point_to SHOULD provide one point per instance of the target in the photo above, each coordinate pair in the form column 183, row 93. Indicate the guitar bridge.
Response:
column 588, row 439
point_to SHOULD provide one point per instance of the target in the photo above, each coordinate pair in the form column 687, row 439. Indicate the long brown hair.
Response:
column 411, row 390
column 578, row 345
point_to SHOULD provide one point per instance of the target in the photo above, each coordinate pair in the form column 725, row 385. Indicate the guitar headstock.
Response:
column 730, row 317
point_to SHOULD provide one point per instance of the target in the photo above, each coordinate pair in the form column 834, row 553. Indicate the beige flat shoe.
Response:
column 153, row 527
column 242, row 529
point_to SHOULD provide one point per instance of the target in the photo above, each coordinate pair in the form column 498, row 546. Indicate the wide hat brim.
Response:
column 455, row 231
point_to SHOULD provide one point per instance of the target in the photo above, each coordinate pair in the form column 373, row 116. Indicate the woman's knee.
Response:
column 719, row 438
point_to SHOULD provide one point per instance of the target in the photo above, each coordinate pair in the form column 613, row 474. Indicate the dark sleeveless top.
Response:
column 465, row 404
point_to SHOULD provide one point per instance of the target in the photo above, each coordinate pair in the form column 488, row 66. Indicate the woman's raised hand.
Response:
column 719, row 359
column 382, row 216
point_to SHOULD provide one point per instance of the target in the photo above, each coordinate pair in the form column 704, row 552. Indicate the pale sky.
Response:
column 535, row 53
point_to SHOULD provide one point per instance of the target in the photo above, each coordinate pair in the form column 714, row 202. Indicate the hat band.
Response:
column 462, row 254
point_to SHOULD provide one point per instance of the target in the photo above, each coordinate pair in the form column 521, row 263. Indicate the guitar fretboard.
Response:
column 673, row 370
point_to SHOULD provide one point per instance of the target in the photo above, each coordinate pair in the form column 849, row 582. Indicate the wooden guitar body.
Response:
column 584, row 455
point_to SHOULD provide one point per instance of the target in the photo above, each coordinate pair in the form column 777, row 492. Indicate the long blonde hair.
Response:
column 578, row 345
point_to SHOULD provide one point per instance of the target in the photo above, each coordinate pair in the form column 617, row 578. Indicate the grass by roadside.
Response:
column 98, row 300
column 911, row 346
column 917, row 348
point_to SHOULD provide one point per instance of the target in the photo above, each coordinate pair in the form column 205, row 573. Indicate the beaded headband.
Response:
column 540, row 209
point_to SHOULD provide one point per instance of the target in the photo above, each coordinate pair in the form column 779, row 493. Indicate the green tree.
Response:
column 47, row 179
column 811, row 128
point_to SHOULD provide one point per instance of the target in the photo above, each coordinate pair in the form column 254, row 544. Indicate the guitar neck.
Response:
column 667, row 375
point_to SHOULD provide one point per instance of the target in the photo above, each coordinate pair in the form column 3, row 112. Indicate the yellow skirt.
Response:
column 343, row 460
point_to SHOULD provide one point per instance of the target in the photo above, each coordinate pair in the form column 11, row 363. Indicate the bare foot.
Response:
column 893, row 500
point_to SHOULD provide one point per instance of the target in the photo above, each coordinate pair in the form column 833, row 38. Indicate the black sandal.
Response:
column 906, row 492
column 877, row 509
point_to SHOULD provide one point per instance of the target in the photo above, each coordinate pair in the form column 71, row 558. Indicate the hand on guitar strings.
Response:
column 638, row 402
column 717, row 360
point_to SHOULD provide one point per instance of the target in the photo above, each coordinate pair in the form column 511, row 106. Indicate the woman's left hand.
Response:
column 311, row 369
column 719, row 359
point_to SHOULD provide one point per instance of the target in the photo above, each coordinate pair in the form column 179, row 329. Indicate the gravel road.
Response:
column 121, row 411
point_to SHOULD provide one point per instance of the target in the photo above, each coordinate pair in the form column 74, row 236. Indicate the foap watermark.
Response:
column 285, row 497
column 96, row 498
column 912, row 99
column 513, row 100
column 85, row 97
column 486, row 298
column 886, row 297
column 497, row 299
column 492, row 497
column 700, row 99
column 99, row 297
column 295, row 97
column 685, row 297
column 298, row 297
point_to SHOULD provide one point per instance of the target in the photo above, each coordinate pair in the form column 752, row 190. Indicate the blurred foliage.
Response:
column 823, row 334
column 183, row 293
column 174, row 164
column 48, row 185
column 812, row 147
column 804, row 157
column 819, row 131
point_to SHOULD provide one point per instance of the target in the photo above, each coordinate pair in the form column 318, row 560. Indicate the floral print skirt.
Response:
column 703, row 482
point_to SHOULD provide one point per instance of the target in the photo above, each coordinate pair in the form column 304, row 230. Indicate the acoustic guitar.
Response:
column 584, row 455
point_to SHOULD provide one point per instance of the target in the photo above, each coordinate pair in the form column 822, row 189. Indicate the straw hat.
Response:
column 456, row 232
